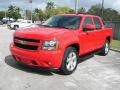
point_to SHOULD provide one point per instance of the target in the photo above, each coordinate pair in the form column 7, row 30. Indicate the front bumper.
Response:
column 40, row 58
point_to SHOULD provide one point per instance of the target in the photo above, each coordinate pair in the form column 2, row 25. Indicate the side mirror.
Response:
column 88, row 27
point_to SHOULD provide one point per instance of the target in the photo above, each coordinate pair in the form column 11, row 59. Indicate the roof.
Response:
column 79, row 15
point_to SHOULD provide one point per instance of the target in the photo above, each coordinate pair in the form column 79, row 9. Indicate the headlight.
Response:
column 50, row 45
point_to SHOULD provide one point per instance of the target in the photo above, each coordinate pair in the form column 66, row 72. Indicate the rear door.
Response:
column 99, row 32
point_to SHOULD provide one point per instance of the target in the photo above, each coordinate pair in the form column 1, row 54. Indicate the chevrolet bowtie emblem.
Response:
column 23, row 42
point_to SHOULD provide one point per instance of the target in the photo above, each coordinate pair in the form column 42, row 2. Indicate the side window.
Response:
column 87, row 20
column 98, row 24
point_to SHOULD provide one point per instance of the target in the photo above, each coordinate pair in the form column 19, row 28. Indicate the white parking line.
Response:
column 70, row 84
column 102, row 65
column 0, row 55
column 118, row 58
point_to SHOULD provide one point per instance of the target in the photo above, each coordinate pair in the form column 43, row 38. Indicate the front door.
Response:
column 87, row 38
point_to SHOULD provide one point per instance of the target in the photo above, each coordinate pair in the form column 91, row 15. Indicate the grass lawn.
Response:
column 115, row 44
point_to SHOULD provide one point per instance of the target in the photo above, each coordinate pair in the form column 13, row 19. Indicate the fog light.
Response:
column 34, row 62
column 49, row 63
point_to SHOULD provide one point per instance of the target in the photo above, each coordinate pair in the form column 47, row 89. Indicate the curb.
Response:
column 116, row 50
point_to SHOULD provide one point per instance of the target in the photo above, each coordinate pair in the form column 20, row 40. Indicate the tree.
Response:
column 38, row 15
column 108, row 13
column 64, row 10
column 42, row 16
column 95, row 9
column 50, row 9
column 111, row 15
column 81, row 10
column 13, row 12
column 2, row 14
column 17, row 13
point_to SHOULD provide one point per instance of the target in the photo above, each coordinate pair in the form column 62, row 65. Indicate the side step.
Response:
column 88, row 56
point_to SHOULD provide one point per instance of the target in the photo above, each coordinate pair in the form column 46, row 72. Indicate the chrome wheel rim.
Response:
column 106, row 48
column 71, row 61
column 16, row 27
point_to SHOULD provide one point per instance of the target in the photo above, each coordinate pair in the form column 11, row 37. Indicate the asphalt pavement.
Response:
column 94, row 73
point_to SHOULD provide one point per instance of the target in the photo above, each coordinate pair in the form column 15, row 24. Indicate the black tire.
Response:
column 16, row 27
column 64, row 70
column 105, row 49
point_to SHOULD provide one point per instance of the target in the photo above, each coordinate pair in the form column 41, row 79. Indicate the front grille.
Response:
column 24, row 43
column 29, row 40
column 29, row 47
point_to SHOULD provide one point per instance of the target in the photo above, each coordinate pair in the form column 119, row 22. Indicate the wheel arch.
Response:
column 108, row 38
column 75, row 45
column 16, row 25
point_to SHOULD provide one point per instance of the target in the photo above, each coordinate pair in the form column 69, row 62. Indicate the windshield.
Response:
column 68, row 22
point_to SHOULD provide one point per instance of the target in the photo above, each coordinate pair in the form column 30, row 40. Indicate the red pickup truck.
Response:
column 59, row 41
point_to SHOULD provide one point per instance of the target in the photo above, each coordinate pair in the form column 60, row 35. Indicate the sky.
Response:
column 115, row 4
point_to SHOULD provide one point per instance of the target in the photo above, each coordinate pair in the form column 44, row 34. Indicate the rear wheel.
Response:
column 16, row 27
column 106, row 48
column 70, row 60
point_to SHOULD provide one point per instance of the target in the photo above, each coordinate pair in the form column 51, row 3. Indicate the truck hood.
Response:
column 40, row 32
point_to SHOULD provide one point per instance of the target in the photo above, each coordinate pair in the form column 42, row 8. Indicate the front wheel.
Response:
column 106, row 48
column 70, row 60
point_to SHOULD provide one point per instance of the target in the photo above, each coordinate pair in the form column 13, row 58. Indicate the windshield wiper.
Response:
column 57, row 26
column 47, row 26
column 65, row 27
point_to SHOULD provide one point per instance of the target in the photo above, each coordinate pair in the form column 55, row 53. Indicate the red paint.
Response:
column 87, row 41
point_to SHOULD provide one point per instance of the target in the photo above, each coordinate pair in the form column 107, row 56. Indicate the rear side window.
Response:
column 98, row 24
column 87, row 20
